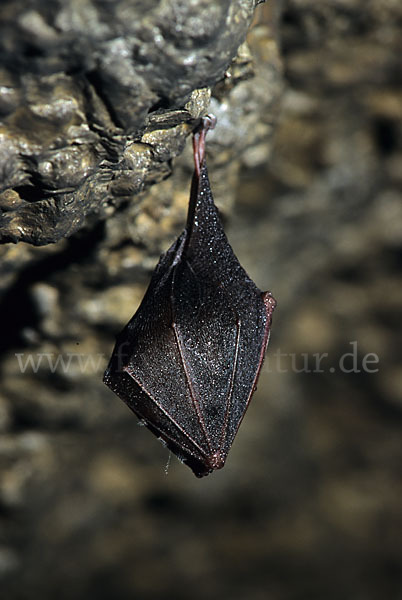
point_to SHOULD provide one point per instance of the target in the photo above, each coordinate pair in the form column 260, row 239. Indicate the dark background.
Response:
column 309, row 502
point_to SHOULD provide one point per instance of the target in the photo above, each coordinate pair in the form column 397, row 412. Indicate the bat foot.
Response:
column 208, row 122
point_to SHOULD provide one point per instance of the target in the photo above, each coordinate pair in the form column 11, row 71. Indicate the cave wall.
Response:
column 306, row 168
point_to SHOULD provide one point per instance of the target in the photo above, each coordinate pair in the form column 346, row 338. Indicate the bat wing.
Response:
column 146, row 369
column 222, row 320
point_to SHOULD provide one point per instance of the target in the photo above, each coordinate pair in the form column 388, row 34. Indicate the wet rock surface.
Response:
column 88, row 100
column 308, row 503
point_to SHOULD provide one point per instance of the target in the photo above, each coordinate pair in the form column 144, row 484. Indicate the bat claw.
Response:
column 209, row 122
column 206, row 123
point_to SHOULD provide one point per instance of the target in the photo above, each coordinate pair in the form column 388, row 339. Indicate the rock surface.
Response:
column 97, row 97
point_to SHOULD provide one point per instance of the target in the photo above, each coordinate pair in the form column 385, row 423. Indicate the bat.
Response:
column 188, row 361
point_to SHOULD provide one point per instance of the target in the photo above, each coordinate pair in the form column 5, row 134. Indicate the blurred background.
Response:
column 309, row 502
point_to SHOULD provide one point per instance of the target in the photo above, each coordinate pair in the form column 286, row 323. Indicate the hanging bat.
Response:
column 188, row 361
